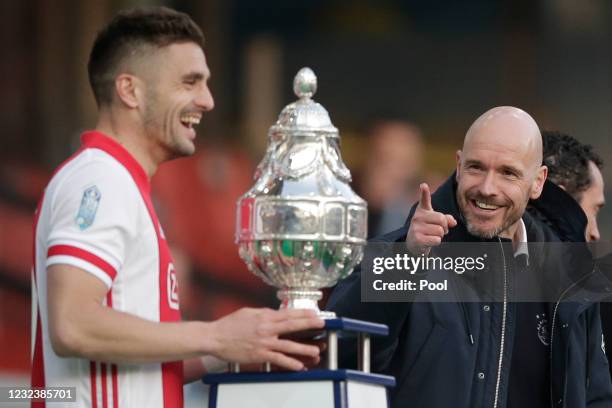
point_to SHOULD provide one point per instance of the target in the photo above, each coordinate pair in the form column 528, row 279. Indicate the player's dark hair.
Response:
column 568, row 162
column 126, row 33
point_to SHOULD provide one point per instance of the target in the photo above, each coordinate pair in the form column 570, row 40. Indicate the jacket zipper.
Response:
column 552, row 336
column 503, row 330
column 552, row 327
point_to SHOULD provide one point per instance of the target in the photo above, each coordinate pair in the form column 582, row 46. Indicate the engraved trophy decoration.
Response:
column 301, row 228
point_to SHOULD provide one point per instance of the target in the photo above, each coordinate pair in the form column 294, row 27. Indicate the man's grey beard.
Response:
column 489, row 234
column 484, row 234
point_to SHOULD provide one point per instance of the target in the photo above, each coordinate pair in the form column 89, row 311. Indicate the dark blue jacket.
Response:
column 430, row 350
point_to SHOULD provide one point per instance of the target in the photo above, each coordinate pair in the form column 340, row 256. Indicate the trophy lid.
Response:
column 304, row 116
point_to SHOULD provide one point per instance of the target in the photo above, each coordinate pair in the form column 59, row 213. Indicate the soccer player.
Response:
column 107, row 318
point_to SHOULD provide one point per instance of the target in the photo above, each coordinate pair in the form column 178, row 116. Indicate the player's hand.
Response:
column 427, row 227
column 253, row 336
column 309, row 361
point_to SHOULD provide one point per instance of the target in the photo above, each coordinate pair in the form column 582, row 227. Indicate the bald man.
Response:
column 495, row 353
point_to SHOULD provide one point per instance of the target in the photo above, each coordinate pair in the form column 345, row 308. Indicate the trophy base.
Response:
column 327, row 387
column 305, row 389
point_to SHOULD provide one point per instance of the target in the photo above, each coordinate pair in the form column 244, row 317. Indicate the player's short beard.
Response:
column 152, row 119
column 157, row 120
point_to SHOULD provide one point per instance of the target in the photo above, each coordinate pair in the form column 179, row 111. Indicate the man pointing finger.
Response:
column 428, row 227
column 487, row 353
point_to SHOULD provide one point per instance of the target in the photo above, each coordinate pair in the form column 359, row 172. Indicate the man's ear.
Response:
column 128, row 90
column 458, row 159
column 538, row 182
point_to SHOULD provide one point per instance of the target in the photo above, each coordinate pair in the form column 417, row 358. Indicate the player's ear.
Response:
column 538, row 182
column 128, row 90
column 458, row 160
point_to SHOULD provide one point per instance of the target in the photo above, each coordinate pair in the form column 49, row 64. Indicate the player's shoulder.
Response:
column 95, row 169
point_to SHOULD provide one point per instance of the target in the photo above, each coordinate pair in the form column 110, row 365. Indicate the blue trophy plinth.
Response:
column 330, row 387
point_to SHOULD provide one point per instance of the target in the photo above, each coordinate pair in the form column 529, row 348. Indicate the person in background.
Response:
column 576, row 169
column 391, row 172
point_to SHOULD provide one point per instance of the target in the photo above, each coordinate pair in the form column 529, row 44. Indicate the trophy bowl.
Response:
column 301, row 227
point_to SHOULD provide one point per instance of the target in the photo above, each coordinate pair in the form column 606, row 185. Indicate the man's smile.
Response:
column 190, row 119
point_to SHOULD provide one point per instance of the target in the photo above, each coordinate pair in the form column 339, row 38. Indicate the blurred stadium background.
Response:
column 435, row 64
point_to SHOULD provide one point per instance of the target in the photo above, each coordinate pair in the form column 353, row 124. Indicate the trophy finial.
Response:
column 305, row 83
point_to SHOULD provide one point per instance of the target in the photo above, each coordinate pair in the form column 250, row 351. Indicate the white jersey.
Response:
column 96, row 214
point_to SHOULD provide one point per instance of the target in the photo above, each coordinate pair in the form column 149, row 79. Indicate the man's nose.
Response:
column 592, row 232
column 205, row 100
column 488, row 187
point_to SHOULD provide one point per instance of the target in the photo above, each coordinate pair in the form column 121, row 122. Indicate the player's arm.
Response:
column 80, row 325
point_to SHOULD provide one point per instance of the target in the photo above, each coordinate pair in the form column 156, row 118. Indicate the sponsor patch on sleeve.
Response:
column 88, row 207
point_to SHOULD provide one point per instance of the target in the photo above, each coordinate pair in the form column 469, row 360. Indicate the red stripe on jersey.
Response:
column 38, row 361
column 104, row 389
column 172, row 383
column 115, row 387
column 38, row 364
column 94, row 386
column 85, row 256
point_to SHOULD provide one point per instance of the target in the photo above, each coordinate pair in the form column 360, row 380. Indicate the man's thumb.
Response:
column 452, row 222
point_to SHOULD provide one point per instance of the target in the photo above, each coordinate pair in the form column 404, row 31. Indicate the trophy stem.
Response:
column 303, row 299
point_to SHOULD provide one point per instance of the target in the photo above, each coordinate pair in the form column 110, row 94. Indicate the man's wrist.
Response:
column 203, row 337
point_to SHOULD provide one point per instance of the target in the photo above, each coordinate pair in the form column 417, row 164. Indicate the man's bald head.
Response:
column 509, row 125
column 499, row 170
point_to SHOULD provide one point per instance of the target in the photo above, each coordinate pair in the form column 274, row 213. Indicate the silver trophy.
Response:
column 301, row 227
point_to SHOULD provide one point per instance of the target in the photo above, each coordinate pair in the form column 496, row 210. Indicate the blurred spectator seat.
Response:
column 196, row 200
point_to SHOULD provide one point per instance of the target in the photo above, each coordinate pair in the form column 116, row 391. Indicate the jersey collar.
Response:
column 98, row 140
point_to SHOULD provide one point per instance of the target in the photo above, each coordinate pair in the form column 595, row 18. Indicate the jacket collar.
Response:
column 560, row 212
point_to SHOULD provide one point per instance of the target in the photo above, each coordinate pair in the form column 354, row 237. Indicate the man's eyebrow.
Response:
column 512, row 169
column 193, row 76
column 473, row 161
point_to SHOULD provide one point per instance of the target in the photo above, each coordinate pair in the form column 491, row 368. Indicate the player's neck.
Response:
column 131, row 138
column 514, row 233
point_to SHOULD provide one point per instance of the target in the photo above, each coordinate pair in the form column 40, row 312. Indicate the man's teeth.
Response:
column 190, row 120
column 486, row 206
